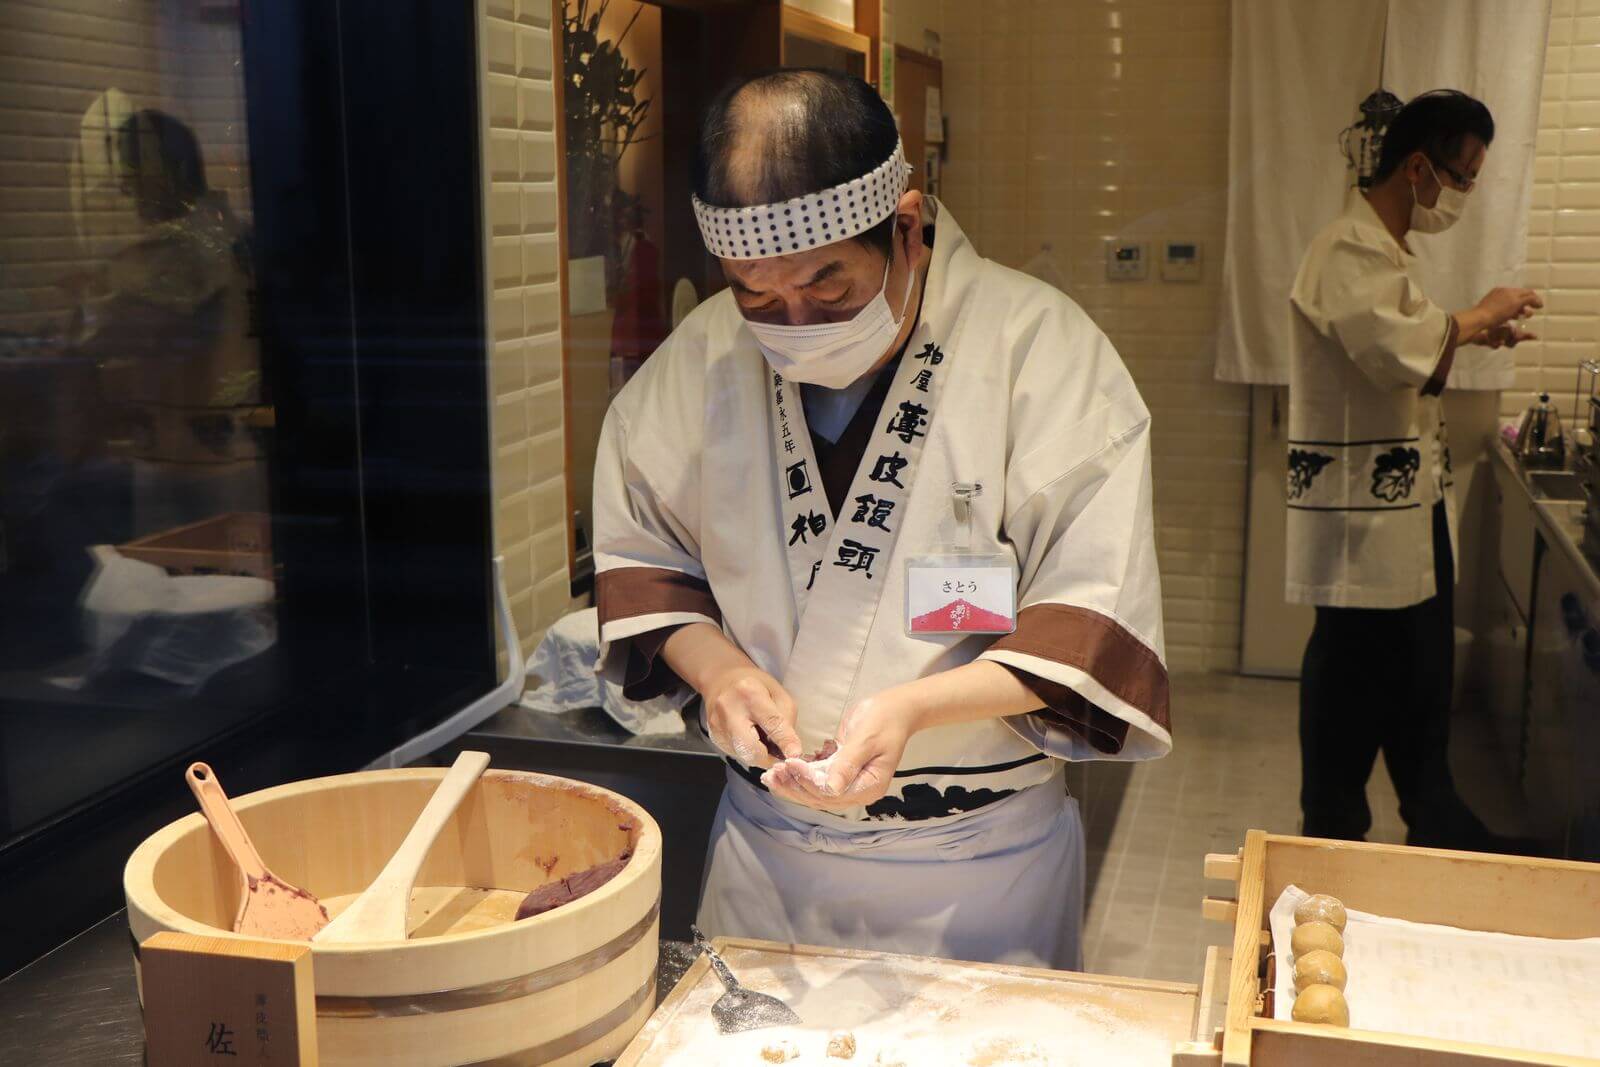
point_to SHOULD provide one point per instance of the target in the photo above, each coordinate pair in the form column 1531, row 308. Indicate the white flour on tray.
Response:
column 1531, row 993
column 918, row 1013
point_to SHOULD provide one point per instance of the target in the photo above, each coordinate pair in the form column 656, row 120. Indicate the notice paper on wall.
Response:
column 933, row 116
column 1442, row 982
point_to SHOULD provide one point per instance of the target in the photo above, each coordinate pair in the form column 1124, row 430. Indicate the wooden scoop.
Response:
column 268, row 906
column 379, row 913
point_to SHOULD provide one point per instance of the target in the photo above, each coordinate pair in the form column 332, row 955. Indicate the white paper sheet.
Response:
column 1531, row 993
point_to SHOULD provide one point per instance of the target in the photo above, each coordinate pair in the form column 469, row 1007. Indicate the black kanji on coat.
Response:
column 855, row 556
column 923, row 379
column 931, row 353
column 809, row 523
column 887, row 469
column 907, row 425
column 873, row 511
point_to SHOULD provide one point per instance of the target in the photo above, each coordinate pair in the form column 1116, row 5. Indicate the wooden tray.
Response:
column 1474, row 891
column 1164, row 1010
column 237, row 543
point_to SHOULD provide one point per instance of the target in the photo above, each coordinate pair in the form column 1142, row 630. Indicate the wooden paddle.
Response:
column 268, row 906
column 379, row 913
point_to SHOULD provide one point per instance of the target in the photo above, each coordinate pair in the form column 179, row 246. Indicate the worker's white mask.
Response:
column 835, row 354
column 1445, row 211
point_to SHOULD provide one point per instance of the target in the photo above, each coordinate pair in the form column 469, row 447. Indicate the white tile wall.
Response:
column 1564, row 234
column 1071, row 123
column 518, row 57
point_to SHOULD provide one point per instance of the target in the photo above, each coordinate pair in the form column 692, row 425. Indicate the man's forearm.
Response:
column 699, row 652
column 969, row 693
column 1472, row 321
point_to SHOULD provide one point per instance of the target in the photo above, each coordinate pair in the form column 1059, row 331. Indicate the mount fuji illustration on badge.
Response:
column 960, row 616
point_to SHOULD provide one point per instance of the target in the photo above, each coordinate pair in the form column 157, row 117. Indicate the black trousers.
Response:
column 1381, row 678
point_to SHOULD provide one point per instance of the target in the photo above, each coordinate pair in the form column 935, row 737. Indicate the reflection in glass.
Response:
column 136, row 578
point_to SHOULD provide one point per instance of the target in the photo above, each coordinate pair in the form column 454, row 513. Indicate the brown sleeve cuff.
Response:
column 1441, row 373
column 629, row 592
column 647, row 675
column 1098, row 645
column 1069, row 710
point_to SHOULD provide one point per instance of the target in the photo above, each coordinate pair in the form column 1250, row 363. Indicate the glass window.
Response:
column 216, row 358
column 136, row 561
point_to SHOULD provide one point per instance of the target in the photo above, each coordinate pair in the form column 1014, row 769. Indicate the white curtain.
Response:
column 1494, row 50
column 1300, row 71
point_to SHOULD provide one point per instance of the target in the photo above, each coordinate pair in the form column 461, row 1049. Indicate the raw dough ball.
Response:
column 781, row 1051
column 1321, row 1004
column 1321, row 908
column 842, row 1045
column 1318, row 967
column 1311, row 936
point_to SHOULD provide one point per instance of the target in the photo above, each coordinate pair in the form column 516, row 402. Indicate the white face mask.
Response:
column 1446, row 210
column 834, row 354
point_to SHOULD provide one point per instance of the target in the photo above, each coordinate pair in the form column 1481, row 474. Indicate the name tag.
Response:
column 961, row 593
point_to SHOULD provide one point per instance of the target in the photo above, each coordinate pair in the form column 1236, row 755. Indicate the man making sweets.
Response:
column 886, row 506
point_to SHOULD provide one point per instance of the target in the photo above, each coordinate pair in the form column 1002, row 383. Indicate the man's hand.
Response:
column 872, row 739
column 1506, row 335
column 1506, row 304
column 751, row 716
column 1489, row 322
column 873, row 734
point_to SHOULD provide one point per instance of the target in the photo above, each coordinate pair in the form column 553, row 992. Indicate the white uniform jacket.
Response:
column 1368, row 457
column 708, row 508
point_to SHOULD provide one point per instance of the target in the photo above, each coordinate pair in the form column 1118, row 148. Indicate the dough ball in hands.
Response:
column 1321, row 908
column 1309, row 937
column 1321, row 1004
column 1318, row 967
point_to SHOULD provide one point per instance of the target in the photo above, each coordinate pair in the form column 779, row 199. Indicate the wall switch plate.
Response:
column 1180, row 261
column 1127, row 261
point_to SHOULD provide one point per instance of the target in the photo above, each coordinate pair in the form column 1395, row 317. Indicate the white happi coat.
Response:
column 705, row 468
column 1368, row 455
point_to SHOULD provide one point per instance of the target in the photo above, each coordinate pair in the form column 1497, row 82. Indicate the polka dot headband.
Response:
column 806, row 221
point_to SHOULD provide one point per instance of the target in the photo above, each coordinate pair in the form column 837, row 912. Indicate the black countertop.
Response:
column 79, row 1005
column 592, row 726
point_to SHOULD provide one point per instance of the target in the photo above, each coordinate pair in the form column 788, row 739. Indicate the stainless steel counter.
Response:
column 1560, row 521
column 1542, row 661
column 78, row 1005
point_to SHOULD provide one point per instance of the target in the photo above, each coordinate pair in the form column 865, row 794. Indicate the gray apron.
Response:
column 1003, row 885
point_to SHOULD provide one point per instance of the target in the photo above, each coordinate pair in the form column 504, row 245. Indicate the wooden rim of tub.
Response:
column 600, row 926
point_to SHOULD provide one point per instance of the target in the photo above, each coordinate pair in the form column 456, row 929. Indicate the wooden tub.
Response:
column 470, row 986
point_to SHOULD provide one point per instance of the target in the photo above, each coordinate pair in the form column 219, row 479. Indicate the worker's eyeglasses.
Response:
column 1462, row 182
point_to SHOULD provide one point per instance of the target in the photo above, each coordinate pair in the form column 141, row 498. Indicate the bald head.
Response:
column 792, row 133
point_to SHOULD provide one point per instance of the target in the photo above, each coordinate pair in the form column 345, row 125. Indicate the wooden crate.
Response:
column 237, row 543
column 1171, row 1009
column 1506, row 894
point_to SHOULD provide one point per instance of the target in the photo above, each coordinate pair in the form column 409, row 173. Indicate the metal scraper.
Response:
column 740, row 1009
